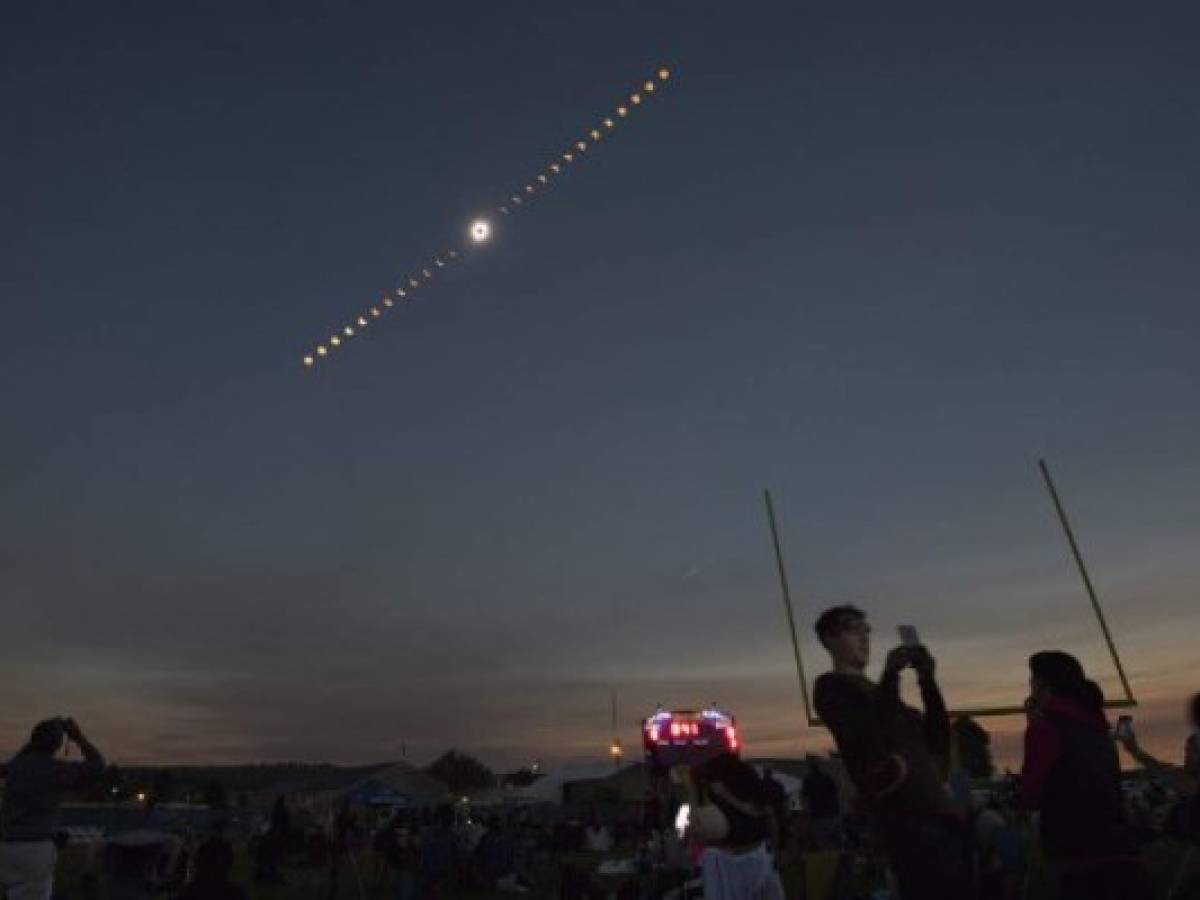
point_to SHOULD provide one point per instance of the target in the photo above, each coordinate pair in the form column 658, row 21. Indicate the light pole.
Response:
column 615, row 750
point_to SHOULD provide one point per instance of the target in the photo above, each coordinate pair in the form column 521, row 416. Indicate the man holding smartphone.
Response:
column 35, row 785
column 895, row 755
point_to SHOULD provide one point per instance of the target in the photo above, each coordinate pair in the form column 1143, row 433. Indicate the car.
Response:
column 684, row 737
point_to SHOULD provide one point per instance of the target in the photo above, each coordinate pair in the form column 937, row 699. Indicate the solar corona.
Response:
column 482, row 229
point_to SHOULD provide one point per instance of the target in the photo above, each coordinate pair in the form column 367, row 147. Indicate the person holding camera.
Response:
column 36, row 784
column 895, row 755
column 1185, row 818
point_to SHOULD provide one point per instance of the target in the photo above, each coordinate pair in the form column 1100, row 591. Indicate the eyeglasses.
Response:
column 855, row 626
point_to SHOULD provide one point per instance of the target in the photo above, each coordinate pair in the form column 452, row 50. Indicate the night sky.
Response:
column 878, row 258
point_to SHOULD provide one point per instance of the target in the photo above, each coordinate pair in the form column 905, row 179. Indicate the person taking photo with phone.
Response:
column 895, row 755
column 36, row 783
column 1185, row 819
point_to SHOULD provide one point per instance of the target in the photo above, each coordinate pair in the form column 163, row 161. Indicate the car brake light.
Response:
column 654, row 734
column 674, row 729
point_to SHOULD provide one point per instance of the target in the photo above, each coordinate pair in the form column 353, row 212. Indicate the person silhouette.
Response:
column 36, row 783
column 895, row 755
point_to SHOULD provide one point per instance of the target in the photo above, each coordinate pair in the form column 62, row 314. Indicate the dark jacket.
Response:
column 1073, row 777
column 871, row 727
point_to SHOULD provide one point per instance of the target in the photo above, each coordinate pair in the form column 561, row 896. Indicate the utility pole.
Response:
column 615, row 750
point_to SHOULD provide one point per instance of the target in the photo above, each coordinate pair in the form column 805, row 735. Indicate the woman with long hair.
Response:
column 1072, row 777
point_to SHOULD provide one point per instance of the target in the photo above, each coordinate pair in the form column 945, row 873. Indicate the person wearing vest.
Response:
column 1071, row 776
column 35, row 784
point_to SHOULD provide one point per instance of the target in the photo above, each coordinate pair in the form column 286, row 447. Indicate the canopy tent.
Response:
column 398, row 785
column 547, row 788
column 394, row 785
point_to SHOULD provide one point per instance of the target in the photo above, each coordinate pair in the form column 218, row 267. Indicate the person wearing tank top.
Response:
column 737, row 861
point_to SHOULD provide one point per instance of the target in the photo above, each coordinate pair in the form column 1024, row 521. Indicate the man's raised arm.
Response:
column 937, row 720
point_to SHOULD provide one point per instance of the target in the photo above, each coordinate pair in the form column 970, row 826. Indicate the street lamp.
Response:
column 615, row 752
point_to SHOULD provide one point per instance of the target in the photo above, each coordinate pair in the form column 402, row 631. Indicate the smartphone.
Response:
column 909, row 636
column 1124, row 727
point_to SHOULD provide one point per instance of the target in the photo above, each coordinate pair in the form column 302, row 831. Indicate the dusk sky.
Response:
column 878, row 258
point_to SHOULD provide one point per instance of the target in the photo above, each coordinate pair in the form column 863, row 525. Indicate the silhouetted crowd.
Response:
column 914, row 828
column 939, row 845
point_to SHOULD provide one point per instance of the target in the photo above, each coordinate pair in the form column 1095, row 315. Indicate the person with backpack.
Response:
column 731, row 817
column 1072, row 778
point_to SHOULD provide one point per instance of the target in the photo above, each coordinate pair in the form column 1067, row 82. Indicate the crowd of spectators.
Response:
column 907, row 830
